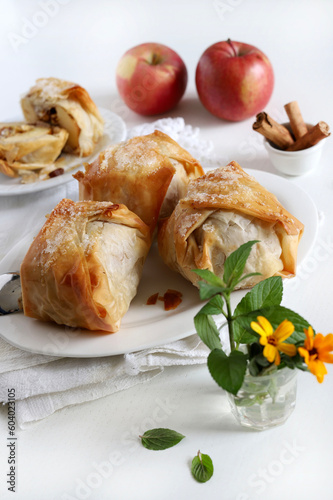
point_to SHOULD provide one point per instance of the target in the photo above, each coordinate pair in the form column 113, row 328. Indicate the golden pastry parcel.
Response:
column 222, row 210
column 84, row 266
column 69, row 106
column 148, row 174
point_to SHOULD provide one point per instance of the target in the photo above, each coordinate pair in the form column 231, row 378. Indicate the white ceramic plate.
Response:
column 114, row 131
column 143, row 326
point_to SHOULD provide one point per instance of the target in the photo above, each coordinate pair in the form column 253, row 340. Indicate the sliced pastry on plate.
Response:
column 149, row 174
column 222, row 210
column 69, row 106
column 84, row 266
column 25, row 147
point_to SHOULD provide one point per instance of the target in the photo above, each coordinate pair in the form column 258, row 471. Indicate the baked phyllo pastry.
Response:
column 148, row 174
column 69, row 106
column 84, row 266
column 25, row 147
column 222, row 210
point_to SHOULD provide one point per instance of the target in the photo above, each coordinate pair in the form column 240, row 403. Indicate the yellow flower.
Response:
column 273, row 340
column 316, row 351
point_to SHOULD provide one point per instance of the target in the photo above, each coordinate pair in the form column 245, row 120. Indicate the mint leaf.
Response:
column 210, row 277
column 160, row 439
column 207, row 330
column 264, row 294
column 206, row 291
column 243, row 333
column 258, row 362
column 227, row 371
column 245, row 276
column 235, row 263
column 214, row 306
column 202, row 467
column 212, row 285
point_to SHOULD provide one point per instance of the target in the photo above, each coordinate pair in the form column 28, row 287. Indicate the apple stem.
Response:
column 232, row 46
column 156, row 59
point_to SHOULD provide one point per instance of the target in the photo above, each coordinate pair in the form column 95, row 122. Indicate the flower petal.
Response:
column 265, row 325
column 284, row 330
column 323, row 343
column 309, row 338
column 326, row 357
column 257, row 328
column 277, row 358
column 270, row 352
column 304, row 353
column 263, row 340
column 318, row 369
column 309, row 332
column 289, row 349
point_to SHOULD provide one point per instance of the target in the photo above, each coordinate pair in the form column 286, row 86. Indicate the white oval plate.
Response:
column 114, row 131
column 143, row 326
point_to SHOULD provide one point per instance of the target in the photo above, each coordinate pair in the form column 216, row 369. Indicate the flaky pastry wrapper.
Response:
column 69, row 106
column 84, row 266
column 148, row 174
column 25, row 147
column 222, row 210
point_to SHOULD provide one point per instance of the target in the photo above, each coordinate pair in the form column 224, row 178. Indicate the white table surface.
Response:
column 92, row 451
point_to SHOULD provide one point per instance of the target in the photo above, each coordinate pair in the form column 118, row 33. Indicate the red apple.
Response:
column 234, row 80
column 151, row 78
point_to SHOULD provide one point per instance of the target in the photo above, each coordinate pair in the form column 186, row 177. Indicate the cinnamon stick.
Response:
column 297, row 123
column 312, row 137
column 273, row 131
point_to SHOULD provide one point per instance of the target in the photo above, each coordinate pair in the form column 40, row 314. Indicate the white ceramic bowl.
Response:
column 294, row 162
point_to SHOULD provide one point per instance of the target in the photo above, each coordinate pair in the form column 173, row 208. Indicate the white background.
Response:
column 82, row 41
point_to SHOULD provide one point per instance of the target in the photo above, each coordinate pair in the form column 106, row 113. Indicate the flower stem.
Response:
column 230, row 323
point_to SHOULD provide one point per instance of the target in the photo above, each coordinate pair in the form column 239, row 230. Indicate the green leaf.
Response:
column 207, row 331
column 160, row 439
column 258, row 364
column 243, row 333
column 264, row 294
column 261, row 360
column 254, row 369
column 210, row 277
column 227, row 371
column 214, row 306
column 235, row 263
column 245, row 276
column 212, row 285
column 202, row 467
column 206, row 291
column 293, row 361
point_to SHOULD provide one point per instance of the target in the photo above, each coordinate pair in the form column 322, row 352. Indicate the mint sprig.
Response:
column 264, row 299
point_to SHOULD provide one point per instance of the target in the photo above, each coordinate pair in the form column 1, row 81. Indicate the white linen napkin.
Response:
column 44, row 384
